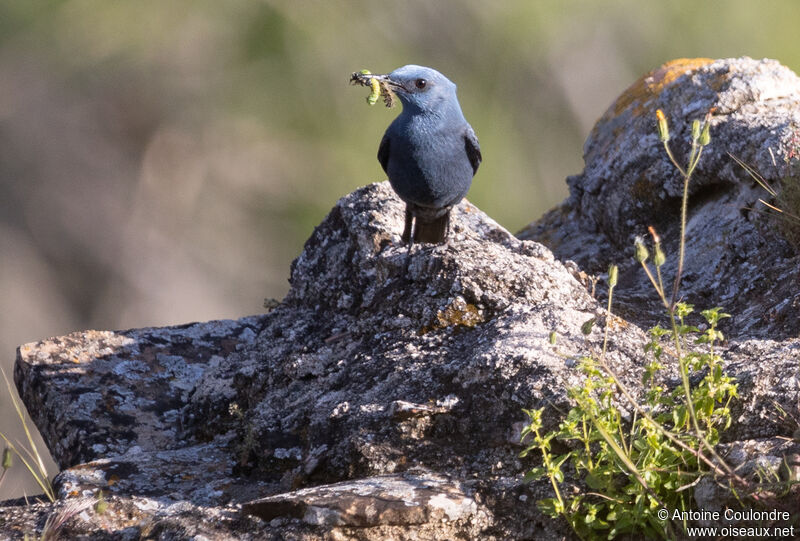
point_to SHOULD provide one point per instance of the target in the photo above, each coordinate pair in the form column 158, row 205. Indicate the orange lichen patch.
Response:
column 457, row 313
column 654, row 82
column 615, row 323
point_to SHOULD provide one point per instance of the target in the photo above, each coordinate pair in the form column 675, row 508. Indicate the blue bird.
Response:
column 430, row 152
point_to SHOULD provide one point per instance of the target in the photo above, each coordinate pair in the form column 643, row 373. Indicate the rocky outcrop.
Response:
column 389, row 378
column 382, row 398
column 736, row 256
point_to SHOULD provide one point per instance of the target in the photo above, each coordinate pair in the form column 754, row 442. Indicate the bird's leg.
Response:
column 447, row 227
column 407, row 236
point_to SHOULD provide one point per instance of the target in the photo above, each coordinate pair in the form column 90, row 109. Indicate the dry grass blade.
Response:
column 56, row 521
column 35, row 465
column 787, row 198
column 755, row 175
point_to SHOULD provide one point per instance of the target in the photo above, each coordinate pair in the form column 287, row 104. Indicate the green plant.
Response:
column 29, row 455
column 639, row 456
column 634, row 468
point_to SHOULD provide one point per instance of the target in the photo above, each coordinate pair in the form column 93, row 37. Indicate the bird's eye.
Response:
column 421, row 83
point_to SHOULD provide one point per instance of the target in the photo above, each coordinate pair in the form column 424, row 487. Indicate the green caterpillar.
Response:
column 377, row 87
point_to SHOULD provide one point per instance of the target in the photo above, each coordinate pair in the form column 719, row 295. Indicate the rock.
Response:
column 736, row 257
column 380, row 360
column 768, row 460
column 391, row 500
column 108, row 392
column 382, row 398
column 372, row 337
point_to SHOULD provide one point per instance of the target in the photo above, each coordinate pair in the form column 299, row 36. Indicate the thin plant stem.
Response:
column 605, row 333
column 720, row 469
column 548, row 464
column 660, row 287
column 694, row 159
column 659, row 290
column 629, row 465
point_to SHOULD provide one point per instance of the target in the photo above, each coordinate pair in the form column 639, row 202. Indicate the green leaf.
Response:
column 658, row 331
column 713, row 315
column 686, row 329
column 534, row 474
column 549, row 506
column 683, row 309
column 561, row 459
column 593, row 482
column 624, row 522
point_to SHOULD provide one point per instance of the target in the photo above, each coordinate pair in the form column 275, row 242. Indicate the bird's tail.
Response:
column 434, row 230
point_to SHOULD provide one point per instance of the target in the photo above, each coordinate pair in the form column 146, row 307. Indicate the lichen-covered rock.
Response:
column 736, row 256
column 382, row 398
column 388, row 500
column 380, row 360
column 96, row 394
column 460, row 331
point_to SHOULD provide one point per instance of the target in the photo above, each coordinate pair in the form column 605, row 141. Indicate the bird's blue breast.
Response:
column 428, row 163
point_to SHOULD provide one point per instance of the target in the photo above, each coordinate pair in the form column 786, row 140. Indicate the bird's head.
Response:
column 421, row 89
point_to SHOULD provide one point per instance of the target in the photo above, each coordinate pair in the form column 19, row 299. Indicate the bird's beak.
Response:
column 394, row 85
column 383, row 79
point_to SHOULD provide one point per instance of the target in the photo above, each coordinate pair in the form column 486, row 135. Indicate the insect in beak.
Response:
column 379, row 86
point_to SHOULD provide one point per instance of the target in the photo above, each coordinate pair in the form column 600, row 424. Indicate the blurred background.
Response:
column 163, row 162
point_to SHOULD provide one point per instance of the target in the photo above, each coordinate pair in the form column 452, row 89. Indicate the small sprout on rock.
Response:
column 553, row 337
column 663, row 128
column 705, row 135
column 613, row 274
column 695, row 130
column 586, row 328
column 658, row 257
column 640, row 253
column 101, row 505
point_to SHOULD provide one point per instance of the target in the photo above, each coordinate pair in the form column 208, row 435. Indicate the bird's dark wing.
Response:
column 383, row 153
column 473, row 149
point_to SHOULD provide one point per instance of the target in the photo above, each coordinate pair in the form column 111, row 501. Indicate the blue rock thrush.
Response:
column 429, row 152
